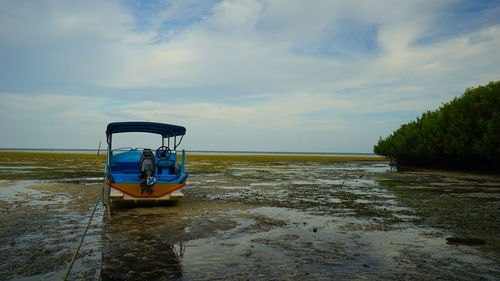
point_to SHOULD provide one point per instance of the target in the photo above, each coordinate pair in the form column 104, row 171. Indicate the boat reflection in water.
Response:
column 138, row 245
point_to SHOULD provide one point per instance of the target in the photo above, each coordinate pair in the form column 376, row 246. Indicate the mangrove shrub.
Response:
column 462, row 134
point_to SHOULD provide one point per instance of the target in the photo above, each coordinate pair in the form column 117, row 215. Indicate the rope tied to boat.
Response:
column 77, row 250
column 70, row 266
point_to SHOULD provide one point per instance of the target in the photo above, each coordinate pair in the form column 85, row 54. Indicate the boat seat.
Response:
column 126, row 167
column 166, row 164
column 126, row 162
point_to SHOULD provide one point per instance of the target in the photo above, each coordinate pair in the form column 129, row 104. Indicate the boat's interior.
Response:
column 126, row 163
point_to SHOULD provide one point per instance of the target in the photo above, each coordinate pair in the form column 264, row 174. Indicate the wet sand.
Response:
column 254, row 219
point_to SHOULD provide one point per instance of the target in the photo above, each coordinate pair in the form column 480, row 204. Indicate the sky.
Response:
column 249, row 75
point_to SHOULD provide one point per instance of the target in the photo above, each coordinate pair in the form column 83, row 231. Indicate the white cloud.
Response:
column 47, row 120
column 247, row 65
column 228, row 48
column 278, row 113
column 238, row 44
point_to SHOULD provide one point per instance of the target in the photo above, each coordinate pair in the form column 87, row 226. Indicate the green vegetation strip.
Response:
column 38, row 156
column 27, row 165
column 281, row 158
column 22, row 158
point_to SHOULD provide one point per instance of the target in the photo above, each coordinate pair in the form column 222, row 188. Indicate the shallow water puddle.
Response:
column 41, row 224
column 263, row 243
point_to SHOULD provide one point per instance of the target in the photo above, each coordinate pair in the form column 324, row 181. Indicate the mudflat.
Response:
column 256, row 217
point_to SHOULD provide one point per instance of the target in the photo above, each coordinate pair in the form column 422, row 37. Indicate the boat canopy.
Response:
column 165, row 130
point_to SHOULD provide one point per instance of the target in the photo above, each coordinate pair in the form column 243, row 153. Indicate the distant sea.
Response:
column 94, row 151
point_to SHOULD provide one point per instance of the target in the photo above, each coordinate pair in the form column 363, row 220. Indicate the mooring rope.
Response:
column 70, row 266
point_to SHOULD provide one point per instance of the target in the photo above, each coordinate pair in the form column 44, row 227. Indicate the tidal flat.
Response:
column 250, row 217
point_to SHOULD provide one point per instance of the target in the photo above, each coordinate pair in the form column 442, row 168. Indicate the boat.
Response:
column 143, row 174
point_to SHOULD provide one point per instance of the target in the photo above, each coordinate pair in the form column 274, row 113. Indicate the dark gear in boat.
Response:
column 147, row 166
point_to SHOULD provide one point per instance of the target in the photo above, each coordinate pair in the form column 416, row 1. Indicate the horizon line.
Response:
column 187, row 150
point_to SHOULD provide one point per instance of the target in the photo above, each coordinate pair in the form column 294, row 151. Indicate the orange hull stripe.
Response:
column 125, row 188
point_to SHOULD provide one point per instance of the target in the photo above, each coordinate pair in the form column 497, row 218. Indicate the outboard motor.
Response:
column 147, row 166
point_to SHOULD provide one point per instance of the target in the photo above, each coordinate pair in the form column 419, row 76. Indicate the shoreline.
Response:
column 446, row 172
column 201, row 152
column 218, row 155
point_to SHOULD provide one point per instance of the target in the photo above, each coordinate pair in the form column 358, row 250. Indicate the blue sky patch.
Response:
column 168, row 18
column 461, row 18
column 343, row 39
